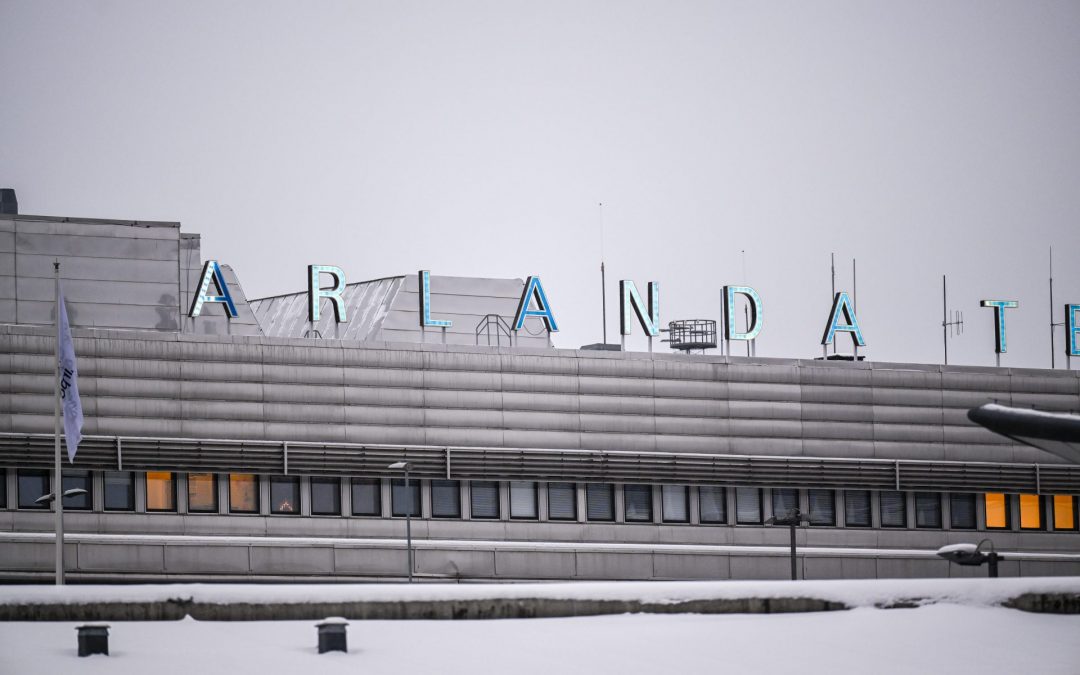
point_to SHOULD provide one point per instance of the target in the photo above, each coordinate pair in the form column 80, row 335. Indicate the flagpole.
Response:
column 58, row 499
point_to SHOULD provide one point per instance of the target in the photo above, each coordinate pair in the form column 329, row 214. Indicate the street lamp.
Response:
column 405, row 466
column 49, row 498
column 793, row 519
column 970, row 554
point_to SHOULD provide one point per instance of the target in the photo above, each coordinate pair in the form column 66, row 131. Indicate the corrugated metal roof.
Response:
column 366, row 306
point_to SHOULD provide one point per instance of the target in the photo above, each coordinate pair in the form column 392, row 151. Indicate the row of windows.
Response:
column 324, row 497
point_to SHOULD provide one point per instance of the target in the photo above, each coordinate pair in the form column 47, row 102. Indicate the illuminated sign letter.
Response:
column 999, row 320
column 212, row 270
column 630, row 301
column 841, row 304
column 534, row 291
column 317, row 293
column 1072, row 330
column 757, row 313
column 425, row 304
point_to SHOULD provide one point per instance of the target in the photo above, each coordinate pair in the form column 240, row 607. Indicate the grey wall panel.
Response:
column 300, row 412
column 556, row 384
column 456, row 563
column 369, row 357
column 814, row 393
column 539, row 365
column 1044, row 401
column 618, row 405
column 767, row 428
column 207, row 559
column 121, row 558
column 970, row 379
column 691, row 407
column 291, row 560
column 699, row 389
column 886, row 414
column 73, row 244
column 286, row 393
column 541, row 421
column 371, row 433
column 388, row 396
column 484, row 381
column 764, row 410
column 892, row 378
column 971, row 399
column 837, row 412
column 613, row 441
column 680, row 368
column 835, row 376
column 613, row 566
column 615, row 386
column 753, row 391
column 615, row 366
column 465, row 418
column 692, row 425
column 621, row 424
column 383, row 377
column 478, row 436
column 384, row 415
column 854, row 431
column 540, row 402
column 484, row 400
column 536, row 564
column 688, row 443
column 908, row 433
column 1046, row 382
column 749, row 445
column 331, row 375
column 295, row 431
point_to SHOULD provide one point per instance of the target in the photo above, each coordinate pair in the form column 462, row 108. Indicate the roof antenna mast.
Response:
column 603, row 280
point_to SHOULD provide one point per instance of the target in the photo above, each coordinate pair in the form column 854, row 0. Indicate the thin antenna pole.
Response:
column 58, row 482
column 854, row 288
column 945, row 318
column 832, row 264
column 603, row 278
column 1052, row 358
column 746, row 309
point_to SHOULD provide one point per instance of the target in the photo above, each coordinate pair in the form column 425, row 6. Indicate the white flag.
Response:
column 69, row 384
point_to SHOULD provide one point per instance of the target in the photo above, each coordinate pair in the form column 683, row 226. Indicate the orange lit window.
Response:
column 160, row 491
column 1064, row 513
column 997, row 510
column 202, row 492
column 243, row 493
column 1030, row 513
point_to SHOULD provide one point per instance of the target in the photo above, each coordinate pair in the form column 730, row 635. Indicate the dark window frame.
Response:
column 413, row 488
column 903, row 509
column 486, row 485
column 535, row 499
column 725, row 517
column 217, row 501
column 573, row 502
column 77, row 478
column 637, row 489
column 37, row 474
column 848, row 520
column 174, row 482
column 686, row 504
column 760, row 519
column 334, row 483
column 105, row 491
column 1008, row 512
column 233, row 510
column 446, row 484
column 954, row 497
column 599, row 489
column 373, row 483
column 810, row 493
column 925, row 497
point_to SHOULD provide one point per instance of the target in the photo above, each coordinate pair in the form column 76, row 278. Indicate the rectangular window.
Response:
column 244, row 494
column 928, row 510
column 405, row 502
column 445, row 499
column 562, row 501
column 748, row 506
column 119, row 491
column 675, row 503
column 484, row 499
column 202, row 493
column 822, row 504
column 32, row 483
column 523, row 499
column 160, row 491
column 997, row 510
column 1064, row 512
column 366, row 497
column 962, row 511
column 785, row 502
column 325, row 496
column 3, row 489
column 712, row 500
column 637, row 503
column 77, row 480
column 857, row 508
column 599, row 501
column 893, row 509
column 1031, row 512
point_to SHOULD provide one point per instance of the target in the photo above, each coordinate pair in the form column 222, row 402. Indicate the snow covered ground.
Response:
column 946, row 638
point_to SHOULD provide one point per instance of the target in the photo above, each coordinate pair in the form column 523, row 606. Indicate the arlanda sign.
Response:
column 534, row 304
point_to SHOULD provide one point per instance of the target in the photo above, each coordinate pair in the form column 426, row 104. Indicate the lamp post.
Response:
column 48, row 499
column 408, row 512
column 970, row 554
column 793, row 519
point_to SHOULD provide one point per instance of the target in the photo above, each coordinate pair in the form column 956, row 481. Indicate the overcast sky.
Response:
column 477, row 138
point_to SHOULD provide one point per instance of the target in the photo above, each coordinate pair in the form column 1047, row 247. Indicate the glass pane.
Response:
column 244, row 493
column 637, row 502
column 523, row 499
column 784, row 502
column 485, row 499
column 284, row 495
column 445, row 499
column 119, row 491
column 927, row 509
column 713, row 503
column 1030, row 512
column 599, row 501
column 893, row 509
column 562, row 501
column 747, row 506
column 676, row 505
column 1064, row 512
column 822, row 506
column 325, row 496
column 857, row 508
column 202, row 492
column 405, row 502
column 77, row 480
column 366, row 497
column 3, row 489
column 160, row 491
column 33, row 483
column 997, row 510
column 962, row 511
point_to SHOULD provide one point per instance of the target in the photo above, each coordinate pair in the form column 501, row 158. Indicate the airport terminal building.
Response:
column 258, row 446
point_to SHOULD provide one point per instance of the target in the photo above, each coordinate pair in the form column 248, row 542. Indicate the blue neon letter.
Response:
column 534, row 291
column 757, row 313
column 841, row 304
column 425, row 304
column 1072, row 330
column 630, row 301
column 212, row 270
column 999, row 306
column 316, row 293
